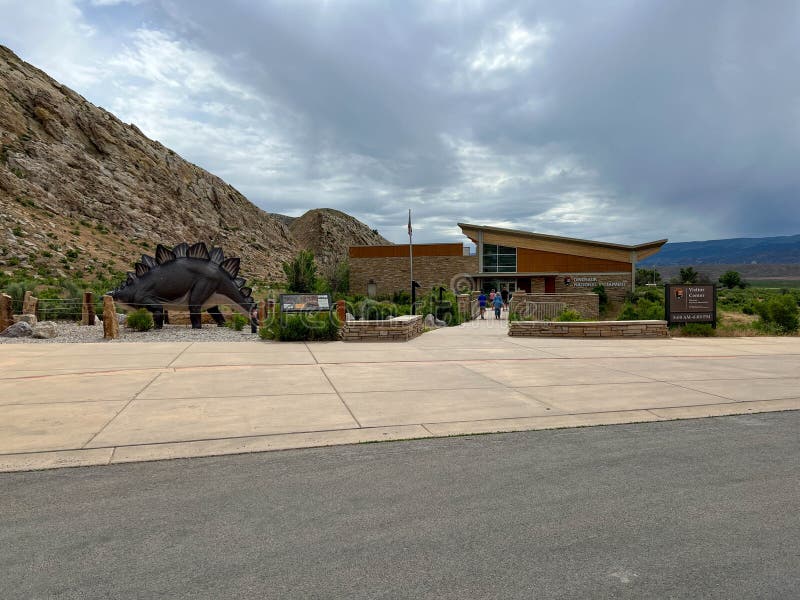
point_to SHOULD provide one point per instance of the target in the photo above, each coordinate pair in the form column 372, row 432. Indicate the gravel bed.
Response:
column 73, row 333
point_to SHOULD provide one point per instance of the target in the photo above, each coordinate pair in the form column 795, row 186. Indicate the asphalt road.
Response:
column 688, row 509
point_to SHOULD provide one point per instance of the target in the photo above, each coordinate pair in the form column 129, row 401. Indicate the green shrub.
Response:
column 699, row 329
column 301, row 328
column 569, row 315
column 780, row 311
column 140, row 320
column 237, row 322
column 602, row 295
column 301, row 273
column 324, row 327
column 642, row 310
column 17, row 292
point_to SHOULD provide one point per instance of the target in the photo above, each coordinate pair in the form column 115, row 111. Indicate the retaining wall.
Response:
column 588, row 329
column 399, row 329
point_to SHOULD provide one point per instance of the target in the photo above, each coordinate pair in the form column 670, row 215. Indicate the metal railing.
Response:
column 542, row 311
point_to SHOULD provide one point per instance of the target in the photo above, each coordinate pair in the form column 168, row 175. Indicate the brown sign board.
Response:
column 690, row 303
column 296, row 303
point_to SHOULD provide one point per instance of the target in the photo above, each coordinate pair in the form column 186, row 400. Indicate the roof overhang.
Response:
column 559, row 244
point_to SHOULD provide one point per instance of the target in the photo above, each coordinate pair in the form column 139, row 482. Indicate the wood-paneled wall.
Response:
column 538, row 261
column 398, row 250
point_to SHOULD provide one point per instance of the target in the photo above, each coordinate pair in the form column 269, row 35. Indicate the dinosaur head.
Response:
column 125, row 294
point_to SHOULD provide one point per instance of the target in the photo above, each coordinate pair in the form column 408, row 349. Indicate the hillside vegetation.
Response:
column 83, row 195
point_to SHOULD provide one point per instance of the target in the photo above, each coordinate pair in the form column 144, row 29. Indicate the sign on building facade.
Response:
column 690, row 303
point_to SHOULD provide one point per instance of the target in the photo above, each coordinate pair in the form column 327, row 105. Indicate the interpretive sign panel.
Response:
column 690, row 303
column 295, row 303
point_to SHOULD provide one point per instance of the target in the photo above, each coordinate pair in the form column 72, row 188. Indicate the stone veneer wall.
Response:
column 391, row 274
column 586, row 329
column 588, row 305
column 399, row 329
column 617, row 284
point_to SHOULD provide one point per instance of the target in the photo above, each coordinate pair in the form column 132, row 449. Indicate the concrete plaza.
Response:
column 91, row 404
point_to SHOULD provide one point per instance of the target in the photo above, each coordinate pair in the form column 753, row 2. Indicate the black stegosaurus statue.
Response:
column 192, row 277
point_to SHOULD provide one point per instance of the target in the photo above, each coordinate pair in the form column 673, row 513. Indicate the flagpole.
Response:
column 411, row 263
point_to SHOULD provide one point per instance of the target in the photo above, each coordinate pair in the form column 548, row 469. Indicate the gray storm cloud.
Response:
column 618, row 120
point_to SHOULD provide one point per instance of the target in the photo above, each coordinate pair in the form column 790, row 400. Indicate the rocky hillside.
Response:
column 329, row 233
column 82, row 194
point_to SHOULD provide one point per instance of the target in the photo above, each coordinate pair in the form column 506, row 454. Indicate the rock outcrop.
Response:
column 329, row 233
column 82, row 194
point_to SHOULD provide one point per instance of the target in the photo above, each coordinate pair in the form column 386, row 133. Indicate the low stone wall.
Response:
column 467, row 307
column 588, row 329
column 399, row 329
column 587, row 305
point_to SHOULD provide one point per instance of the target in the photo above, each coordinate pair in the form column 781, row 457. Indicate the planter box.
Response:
column 399, row 329
column 588, row 329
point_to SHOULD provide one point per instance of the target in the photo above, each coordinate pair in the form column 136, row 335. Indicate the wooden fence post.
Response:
column 110, row 323
column 29, row 304
column 6, row 311
column 87, row 313
column 341, row 311
column 262, row 312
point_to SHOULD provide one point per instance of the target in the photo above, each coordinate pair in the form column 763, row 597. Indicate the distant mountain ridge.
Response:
column 780, row 250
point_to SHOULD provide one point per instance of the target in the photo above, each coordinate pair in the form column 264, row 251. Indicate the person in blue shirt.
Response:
column 498, row 305
column 482, row 303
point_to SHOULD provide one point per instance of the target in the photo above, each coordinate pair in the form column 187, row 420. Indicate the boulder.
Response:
column 17, row 330
column 430, row 322
column 349, row 317
column 122, row 318
column 29, row 319
column 440, row 323
column 44, row 330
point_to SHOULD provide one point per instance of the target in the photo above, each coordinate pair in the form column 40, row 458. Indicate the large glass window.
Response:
column 499, row 259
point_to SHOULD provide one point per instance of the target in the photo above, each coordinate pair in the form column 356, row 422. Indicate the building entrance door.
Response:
column 550, row 284
column 498, row 284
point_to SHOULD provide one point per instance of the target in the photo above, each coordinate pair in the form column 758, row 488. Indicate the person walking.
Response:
column 498, row 305
column 482, row 303
column 504, row 296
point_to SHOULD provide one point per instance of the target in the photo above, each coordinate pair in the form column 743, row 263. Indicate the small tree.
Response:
column 645, row 276
column 731, row 279
column 689, row 275
column 781, row 311
column 602, row 297
column 339, row 279
column 301, row 273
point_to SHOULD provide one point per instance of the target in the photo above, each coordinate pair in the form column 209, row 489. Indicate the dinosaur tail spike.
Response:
column 246, row 292
column 240, row 281
column 199, row 250
column 141, row 269
column 180, row 250
column 148, row 261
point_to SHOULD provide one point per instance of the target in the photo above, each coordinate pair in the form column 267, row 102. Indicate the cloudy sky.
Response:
column 622, row 121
